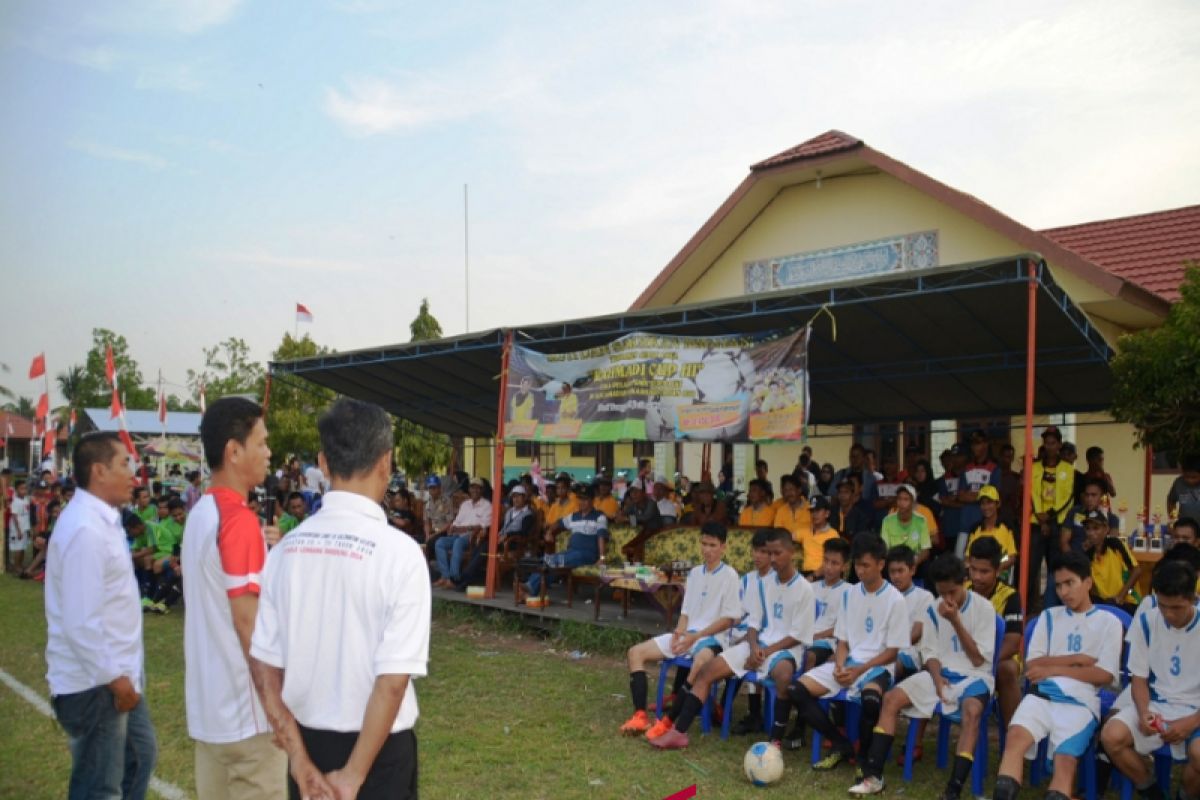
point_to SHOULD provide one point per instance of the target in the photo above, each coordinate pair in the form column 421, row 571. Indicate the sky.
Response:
column 183, row 171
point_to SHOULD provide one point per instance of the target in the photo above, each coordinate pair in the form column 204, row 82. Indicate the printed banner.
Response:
column 662, row 388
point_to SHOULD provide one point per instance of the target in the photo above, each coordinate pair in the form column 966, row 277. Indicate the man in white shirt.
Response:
column 315, row 481
column 94, row 631
column 343, row 626
column 473, row 519
column 224, row 551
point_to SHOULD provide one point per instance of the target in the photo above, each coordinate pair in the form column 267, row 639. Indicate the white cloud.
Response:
column 370, row 106
column 109, row 153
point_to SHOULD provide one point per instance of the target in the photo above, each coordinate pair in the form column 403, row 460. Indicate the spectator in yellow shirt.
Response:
column 793, row 515
column 604, row 502
column 758, row 512
column 813, row 541
column 990, row 525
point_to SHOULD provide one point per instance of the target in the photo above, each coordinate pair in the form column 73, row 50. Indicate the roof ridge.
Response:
column 831, row 141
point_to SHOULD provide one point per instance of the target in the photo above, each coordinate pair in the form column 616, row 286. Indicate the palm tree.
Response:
column 23, row 407
column 70, row 384
column 4, row 390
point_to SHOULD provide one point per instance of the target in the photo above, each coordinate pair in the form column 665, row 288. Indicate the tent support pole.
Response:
column 498, row 468
column 1027, row 477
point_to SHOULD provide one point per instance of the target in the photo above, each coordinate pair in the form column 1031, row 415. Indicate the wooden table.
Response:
column 1147, row 559
column 664, row 594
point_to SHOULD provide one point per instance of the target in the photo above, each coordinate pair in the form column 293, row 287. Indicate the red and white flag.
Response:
column 43, row 406
column 114, row 408
column 110, row 369
column 302, row 313
column 162, row 408
column 48, row 443
column 71, row 426
column 38, row 368
column 202, row 403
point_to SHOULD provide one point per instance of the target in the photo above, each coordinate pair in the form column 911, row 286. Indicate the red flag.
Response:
column 162, row 408
column 110, row 369
column 38, row 368
column 48, row 444
column 115, row 407
column 302, row 313
column 43, row 406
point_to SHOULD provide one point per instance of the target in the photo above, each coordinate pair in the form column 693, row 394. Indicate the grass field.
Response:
column 504, row 714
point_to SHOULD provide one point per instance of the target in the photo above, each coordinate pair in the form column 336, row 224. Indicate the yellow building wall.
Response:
column 844, row 211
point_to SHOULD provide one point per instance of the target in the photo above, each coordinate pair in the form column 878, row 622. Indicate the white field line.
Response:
column 168, row 790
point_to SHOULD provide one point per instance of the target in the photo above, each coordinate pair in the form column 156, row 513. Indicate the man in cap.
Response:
column 1115, row 571
column 905, row 527
column 515, row 529
column 439, row 512
column 668, row 509
column 990, row 525
column 474, row 517
column 587, row 545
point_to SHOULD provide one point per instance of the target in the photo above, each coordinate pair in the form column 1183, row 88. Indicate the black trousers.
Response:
column 393, row 776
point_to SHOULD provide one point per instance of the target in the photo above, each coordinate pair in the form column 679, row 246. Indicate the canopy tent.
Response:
column 944, row 343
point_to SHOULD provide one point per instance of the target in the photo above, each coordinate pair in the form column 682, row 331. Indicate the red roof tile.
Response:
column 21, row 428
column 823, row 145
column 1147, row 249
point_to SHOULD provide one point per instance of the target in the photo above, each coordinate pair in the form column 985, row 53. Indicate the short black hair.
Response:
column 716, row 530
column 868, row 544
column 902, row 553
column 1093, row 452
column 226, row 419
column 1007, row 446
column 97, row 447
column 131, row 521
column 175, row 503
column 947, row 568
column 838, row 545
column 1073, row 561
column 1187, row 553
column 138, row 491
column 1098, row 483
column 760, row 463
column 791, row 478
column 1174, row 579
column 1188, row 522
column 760, row 483
column 760, row 538
column 19, row 482
column 295, row 496
column 1190, row 463
column 986, row 548
column 781, row 535
column 354, row 437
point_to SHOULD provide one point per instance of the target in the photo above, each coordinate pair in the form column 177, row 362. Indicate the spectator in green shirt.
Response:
column 904, row 527
column 142, row 505
column 297, row 510
column 169, row 536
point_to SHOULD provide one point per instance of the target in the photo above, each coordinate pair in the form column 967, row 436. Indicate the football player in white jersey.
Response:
column 711, row 606
column 901, row 569
column 771, row 652
column 872, row 627
column 1164, row 649
column 1074, row 650
column 754, row 606
column 957, row 645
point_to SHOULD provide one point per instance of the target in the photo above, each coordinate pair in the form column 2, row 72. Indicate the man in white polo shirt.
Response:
column 474, row 518
column 224, row 551
column 343, row 626
column 94, row 631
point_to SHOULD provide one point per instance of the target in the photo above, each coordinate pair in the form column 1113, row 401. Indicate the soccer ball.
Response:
column 763, row 764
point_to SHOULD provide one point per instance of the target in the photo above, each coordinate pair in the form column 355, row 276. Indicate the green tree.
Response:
column 22, row 407
column 4, row 390
column 425, row 326
column 420, row 450
column 1156, row 375
column 94, row 391
column 295, row 403
column 69, row 384
column 228, row 369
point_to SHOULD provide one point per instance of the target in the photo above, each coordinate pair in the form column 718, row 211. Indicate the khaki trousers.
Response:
column 252, row 769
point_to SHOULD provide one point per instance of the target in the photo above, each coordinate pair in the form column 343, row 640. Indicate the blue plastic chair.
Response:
column 980, row 766
column 853, row 712
column 731, row 689
column 1087, row 761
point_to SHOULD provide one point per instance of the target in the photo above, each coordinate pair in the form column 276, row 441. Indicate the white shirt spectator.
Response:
column 93, row 610
column 344, row 600
column 18, row 524
column 474, row 514
column 314, row 480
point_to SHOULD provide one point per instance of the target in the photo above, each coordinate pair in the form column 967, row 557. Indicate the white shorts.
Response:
column 1070, row 727
column 736, row 657
column 824, row 676
column 922, row 692
column 16, row 540
column 664, row 645
column 1145, row 745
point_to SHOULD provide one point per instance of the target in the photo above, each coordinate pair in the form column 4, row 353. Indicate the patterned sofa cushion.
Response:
column 618, row 537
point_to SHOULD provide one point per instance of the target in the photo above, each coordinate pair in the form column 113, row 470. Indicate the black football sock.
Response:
column 810, row 711
column 877, row 756
column 687, row 714
column 754, row 705
column 682, row 693
column 783, row 708
column 871, row 703
column 959, row 773
column 637, row 689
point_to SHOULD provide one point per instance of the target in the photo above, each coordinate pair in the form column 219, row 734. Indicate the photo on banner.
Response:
column 647, row 387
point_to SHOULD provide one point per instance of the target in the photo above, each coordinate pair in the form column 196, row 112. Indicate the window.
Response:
column 583, row 450
column 528, row 449
column 916, row 437
column 643, row 449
